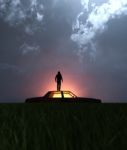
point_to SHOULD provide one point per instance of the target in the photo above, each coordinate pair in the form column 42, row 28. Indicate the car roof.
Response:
column 60, row 94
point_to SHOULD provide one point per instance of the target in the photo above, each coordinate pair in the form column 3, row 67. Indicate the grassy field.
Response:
column 57, row 126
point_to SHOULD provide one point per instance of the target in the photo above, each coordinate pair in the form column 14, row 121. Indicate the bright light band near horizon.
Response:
column 70, row 83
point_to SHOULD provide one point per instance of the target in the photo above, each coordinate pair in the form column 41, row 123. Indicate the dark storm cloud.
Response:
column 98, row 14
column 35, row 43
column 9, row 67
column 39, row 49
column 32, row 14
column 102, row 36
column 27, row 49
column 16, row 11
column 108, row 74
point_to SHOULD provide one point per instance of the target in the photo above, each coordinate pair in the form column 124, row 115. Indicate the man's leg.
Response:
column 57, row 86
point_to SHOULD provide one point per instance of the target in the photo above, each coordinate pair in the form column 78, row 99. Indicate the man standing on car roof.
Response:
column 58, row 79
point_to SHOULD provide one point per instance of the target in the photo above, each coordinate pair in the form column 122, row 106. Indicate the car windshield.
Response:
column 61, row 94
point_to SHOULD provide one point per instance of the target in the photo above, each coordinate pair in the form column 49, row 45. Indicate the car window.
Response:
column 67, row 95
column 55, row 95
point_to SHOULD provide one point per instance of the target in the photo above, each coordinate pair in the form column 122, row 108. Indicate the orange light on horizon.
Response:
column 67, row 85
column 71, row 82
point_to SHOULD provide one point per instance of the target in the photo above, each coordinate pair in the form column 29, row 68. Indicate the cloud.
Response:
column 97, row 18
column 5, row 66
column 85, row 3
column 39, row 17
column 17, row 12
column 29, row 49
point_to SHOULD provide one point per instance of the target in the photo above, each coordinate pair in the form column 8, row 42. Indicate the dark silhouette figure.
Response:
column 58, row 79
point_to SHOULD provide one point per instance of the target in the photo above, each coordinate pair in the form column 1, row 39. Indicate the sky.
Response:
column 84, row 39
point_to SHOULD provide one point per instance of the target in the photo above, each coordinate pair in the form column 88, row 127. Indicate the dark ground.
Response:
column 63, row 126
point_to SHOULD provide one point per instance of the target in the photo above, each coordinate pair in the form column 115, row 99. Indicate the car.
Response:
column 61, row 96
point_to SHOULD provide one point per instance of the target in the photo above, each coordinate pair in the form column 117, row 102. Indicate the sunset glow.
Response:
column 70, row 83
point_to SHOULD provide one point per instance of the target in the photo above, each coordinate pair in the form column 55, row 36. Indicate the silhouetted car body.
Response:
column 61, row 96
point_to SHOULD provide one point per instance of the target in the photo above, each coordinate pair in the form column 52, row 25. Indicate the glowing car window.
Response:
column 68, row 95
column 60, row 94
column 57, row 95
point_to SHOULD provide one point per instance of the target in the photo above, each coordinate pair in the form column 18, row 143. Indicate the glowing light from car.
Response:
column 67, row 95
column 57, row 95
column 61, row 94
column 70, row 83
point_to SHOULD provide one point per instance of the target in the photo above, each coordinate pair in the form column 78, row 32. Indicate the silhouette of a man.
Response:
column 58, row 79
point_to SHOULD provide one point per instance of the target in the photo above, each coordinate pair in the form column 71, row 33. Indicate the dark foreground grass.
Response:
column 63, row 126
